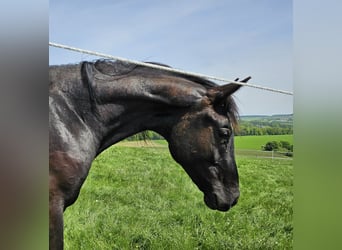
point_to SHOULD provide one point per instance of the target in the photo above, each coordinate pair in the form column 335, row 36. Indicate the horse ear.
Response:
column 219, row 93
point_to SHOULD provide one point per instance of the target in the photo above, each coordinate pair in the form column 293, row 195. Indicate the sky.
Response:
column 227, row 39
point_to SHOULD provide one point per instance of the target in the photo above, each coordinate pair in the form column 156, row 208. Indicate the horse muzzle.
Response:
column 221, row 202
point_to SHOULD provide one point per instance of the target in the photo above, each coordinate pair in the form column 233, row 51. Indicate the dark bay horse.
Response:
column 93, row 105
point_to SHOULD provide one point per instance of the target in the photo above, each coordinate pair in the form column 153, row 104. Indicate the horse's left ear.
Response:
column 219, row 93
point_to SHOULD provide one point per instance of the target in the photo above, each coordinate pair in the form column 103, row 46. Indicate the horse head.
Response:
column 202, row 141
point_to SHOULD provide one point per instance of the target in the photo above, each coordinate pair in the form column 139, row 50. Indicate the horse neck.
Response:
column 130, row 105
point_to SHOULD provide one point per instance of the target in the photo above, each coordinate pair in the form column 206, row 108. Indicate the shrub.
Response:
column 279, row 146
column 285, row 145
column 272, row 146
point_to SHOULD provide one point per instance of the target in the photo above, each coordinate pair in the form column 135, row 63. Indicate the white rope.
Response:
column 165, row 68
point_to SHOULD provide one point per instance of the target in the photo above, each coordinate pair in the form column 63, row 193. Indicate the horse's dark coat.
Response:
column 94, row 105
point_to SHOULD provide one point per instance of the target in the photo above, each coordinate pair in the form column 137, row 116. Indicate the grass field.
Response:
column 255, row 142
column 139, row 198
column 247, row 146
column 251, row 142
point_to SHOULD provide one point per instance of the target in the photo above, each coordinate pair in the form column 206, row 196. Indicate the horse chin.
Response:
column 211, row 200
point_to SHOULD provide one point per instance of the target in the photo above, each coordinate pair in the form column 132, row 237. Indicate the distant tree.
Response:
column 265, row 126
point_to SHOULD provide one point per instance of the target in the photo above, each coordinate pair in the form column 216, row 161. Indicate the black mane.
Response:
column 122, row 69
column 119, row 68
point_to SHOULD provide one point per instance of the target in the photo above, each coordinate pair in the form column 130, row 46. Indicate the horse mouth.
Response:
column 213, row 202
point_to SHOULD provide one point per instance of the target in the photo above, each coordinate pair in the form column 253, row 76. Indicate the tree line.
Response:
column 264, row 128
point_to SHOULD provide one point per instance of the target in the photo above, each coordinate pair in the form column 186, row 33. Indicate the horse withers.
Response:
column 93, row 105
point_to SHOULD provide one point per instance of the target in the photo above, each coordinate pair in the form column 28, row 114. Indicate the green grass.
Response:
column 255, row 142
column 139, row 198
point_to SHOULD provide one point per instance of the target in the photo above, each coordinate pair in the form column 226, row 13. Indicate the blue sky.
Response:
column 227, row 39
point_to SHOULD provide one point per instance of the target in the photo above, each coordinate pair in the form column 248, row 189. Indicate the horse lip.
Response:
column 210, row 200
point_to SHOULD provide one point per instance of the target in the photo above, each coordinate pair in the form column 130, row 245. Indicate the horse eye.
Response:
column 225, row 132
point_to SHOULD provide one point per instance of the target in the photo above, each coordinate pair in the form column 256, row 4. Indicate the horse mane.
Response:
column 119, row 68
column 122, row 69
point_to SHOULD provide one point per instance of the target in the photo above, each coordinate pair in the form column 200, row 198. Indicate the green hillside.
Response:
column 255, row 142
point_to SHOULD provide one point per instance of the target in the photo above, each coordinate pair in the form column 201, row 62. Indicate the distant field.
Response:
column 256, row 141
column 247, row 146
column 139, row 198
column 241, row 142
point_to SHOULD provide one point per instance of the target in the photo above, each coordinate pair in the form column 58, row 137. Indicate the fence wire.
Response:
column 102, row 55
